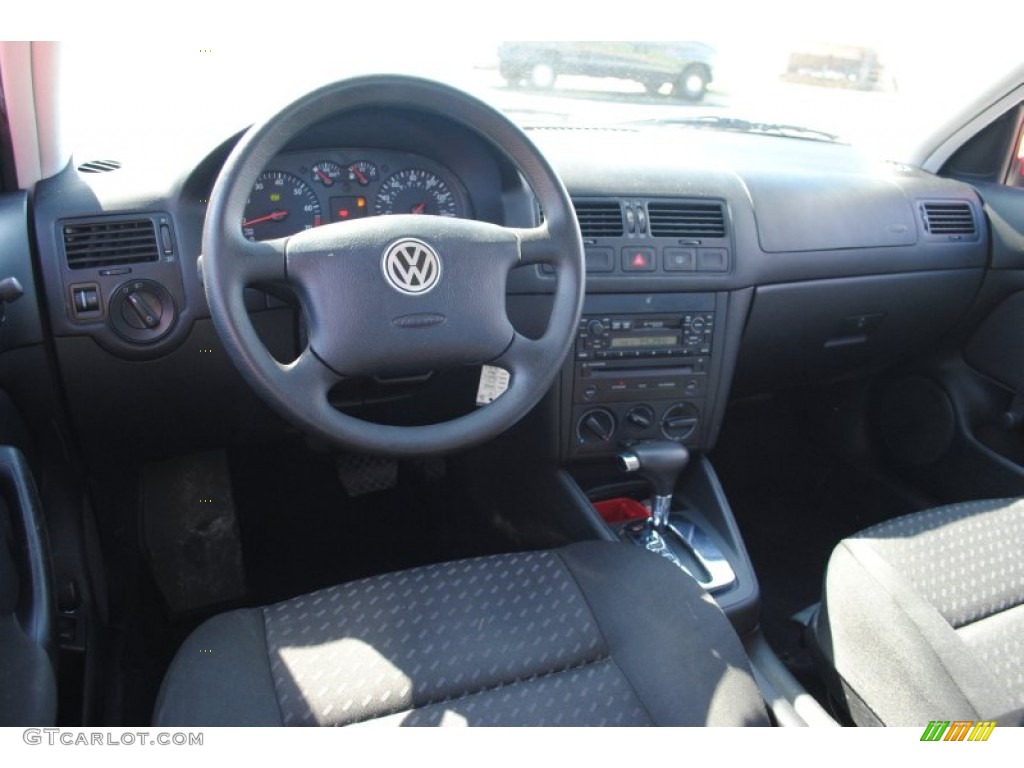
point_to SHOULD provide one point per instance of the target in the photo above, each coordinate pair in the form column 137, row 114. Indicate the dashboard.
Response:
column 717, row 265
column 302, row 190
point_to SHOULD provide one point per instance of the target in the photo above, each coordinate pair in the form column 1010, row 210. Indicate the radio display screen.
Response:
column 620, row 342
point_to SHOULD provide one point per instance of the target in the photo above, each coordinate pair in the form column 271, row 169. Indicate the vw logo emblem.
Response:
column 412, row 267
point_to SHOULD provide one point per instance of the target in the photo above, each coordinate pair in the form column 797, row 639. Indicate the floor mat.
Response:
column 794, row 500
column 300, row 530
column 191, row 535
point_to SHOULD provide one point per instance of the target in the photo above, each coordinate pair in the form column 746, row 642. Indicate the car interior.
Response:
column 387, row 410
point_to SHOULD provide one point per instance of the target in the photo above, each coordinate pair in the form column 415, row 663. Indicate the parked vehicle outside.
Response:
column 686, row 65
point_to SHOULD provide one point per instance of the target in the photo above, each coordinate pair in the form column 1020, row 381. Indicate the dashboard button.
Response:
column 713, row 259
column 680, row 260
column 638, row 259
column 600, row 260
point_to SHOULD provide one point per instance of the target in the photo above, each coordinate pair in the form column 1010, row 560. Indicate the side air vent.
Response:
column 686, row 219
column 948, row 219
column 599, row 219
column 105, row 243
column 99, row 166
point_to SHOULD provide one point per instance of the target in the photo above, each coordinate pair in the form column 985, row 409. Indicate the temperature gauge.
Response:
column 362, row 172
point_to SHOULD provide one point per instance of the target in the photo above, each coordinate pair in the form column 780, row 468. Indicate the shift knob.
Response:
column 660, row 462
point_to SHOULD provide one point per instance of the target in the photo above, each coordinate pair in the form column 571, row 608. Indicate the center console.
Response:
column 644, row 367
column 647, row 380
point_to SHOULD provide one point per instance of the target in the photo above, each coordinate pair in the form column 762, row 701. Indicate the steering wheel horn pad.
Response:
column 393, row 295
column 346, row 275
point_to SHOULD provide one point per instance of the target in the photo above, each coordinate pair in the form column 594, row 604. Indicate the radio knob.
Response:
column 596, row 328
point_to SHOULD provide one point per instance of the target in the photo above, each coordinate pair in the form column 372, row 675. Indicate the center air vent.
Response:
column 948, row 219
column 105, row 243
column 694, row 219
column 599, row 219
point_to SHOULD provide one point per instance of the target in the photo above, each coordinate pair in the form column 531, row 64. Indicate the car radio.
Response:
column 644, row 337
column 640, row 377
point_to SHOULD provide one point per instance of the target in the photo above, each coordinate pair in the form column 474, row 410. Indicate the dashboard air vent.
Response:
column 599, row 219
column 686, row 219
column 948, row 218
column 102, row 243
column 99, row 166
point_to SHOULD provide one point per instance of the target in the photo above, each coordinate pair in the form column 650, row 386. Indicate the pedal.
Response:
column 361, row 475
column 430, row 469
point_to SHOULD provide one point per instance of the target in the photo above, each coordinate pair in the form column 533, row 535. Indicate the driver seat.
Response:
column 595, row 633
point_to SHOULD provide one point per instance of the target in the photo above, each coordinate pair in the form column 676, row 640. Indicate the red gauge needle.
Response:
column 324, row 177
column 416, row 209
column 359, row 176
column 272, row 216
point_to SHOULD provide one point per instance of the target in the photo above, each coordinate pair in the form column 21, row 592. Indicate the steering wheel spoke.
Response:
column 521, row 357
column 262, row 261
column 309, row 374
column 537, row 246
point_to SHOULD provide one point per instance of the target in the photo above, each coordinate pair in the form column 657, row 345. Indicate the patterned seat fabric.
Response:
column 923, row 616
column 575, row 636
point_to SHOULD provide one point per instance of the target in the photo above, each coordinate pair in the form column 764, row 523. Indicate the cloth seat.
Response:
column 595, row 633
column 922, row 617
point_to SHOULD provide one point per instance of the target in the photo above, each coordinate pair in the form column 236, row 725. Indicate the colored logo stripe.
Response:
column 958, row 730
column 982, row 730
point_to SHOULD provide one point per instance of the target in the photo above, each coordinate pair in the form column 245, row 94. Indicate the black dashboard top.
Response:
column 781, row 209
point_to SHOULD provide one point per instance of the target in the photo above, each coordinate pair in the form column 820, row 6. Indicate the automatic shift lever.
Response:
column 680, row 540
column 661, row 462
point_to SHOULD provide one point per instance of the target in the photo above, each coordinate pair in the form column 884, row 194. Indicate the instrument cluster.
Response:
column 302, row 190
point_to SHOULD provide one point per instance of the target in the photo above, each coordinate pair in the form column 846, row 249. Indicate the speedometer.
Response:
column 280, row 205
column 415, row 191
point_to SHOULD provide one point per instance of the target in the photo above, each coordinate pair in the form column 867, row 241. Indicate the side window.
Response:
column 8, row 180
column 1015, row 177
column 994, row 155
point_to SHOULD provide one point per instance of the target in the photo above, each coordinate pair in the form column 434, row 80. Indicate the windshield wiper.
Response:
column 739, row 125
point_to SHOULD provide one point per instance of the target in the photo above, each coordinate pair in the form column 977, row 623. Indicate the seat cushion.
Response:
column 923, row 616
column 592, row 634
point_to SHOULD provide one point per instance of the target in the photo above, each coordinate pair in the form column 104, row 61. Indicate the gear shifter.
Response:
column 661, row 462
column 678, row 540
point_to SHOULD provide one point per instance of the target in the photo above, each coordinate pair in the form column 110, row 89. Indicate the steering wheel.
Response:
column 393, row 295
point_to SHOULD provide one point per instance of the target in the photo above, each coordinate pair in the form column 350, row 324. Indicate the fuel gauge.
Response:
column 362, row 172
column 327, row 173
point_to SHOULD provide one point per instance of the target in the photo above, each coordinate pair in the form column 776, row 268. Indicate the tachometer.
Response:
column 415, row 191
column 280, row 205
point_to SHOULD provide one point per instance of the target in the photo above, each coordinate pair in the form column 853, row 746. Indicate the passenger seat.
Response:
column 922, row 617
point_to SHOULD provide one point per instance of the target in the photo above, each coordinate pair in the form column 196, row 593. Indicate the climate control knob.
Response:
column 680, row 421
column 640, row 417
column 595, row 427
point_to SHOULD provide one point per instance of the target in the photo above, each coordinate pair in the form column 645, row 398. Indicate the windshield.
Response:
column 873, row 74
